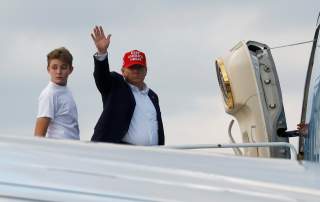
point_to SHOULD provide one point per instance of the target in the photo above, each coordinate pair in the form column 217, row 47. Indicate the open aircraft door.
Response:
column 251, row 90
column 309, row 143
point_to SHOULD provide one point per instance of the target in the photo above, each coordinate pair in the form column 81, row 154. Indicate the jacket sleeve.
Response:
column 102, row 76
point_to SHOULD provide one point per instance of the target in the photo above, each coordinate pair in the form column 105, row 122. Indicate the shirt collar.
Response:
column 134, row 88
column 56, row 85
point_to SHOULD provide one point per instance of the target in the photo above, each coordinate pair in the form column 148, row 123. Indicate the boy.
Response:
column 57, row 112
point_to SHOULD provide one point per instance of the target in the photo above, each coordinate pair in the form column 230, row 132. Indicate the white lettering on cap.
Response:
column 135, row 56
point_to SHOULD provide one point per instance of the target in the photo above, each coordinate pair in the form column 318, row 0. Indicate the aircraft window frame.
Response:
column 305, row 147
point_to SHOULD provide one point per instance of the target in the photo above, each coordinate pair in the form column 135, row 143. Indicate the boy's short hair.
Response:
column 62, row 54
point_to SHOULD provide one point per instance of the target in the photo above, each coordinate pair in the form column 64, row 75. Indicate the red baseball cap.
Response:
column 134, row 57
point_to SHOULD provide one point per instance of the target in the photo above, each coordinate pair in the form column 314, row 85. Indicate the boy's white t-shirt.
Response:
column 57, row 103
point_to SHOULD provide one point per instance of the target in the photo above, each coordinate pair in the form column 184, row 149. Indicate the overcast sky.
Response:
column 181, row 40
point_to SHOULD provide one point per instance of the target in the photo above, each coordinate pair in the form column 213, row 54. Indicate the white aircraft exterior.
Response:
column 34, row 169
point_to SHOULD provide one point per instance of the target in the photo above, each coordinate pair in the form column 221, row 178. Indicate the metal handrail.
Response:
column 243, row 145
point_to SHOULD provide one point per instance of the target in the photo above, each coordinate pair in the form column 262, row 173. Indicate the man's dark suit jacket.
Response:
column 118, row 105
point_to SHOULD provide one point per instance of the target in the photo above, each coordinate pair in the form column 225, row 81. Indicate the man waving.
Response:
column 131, row 112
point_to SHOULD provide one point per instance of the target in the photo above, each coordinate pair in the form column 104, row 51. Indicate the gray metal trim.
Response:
column 243, row 145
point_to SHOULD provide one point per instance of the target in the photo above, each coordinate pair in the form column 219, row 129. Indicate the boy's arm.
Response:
column 41, row 127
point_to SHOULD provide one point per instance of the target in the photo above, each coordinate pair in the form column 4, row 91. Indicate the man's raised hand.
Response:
column 100, row 40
